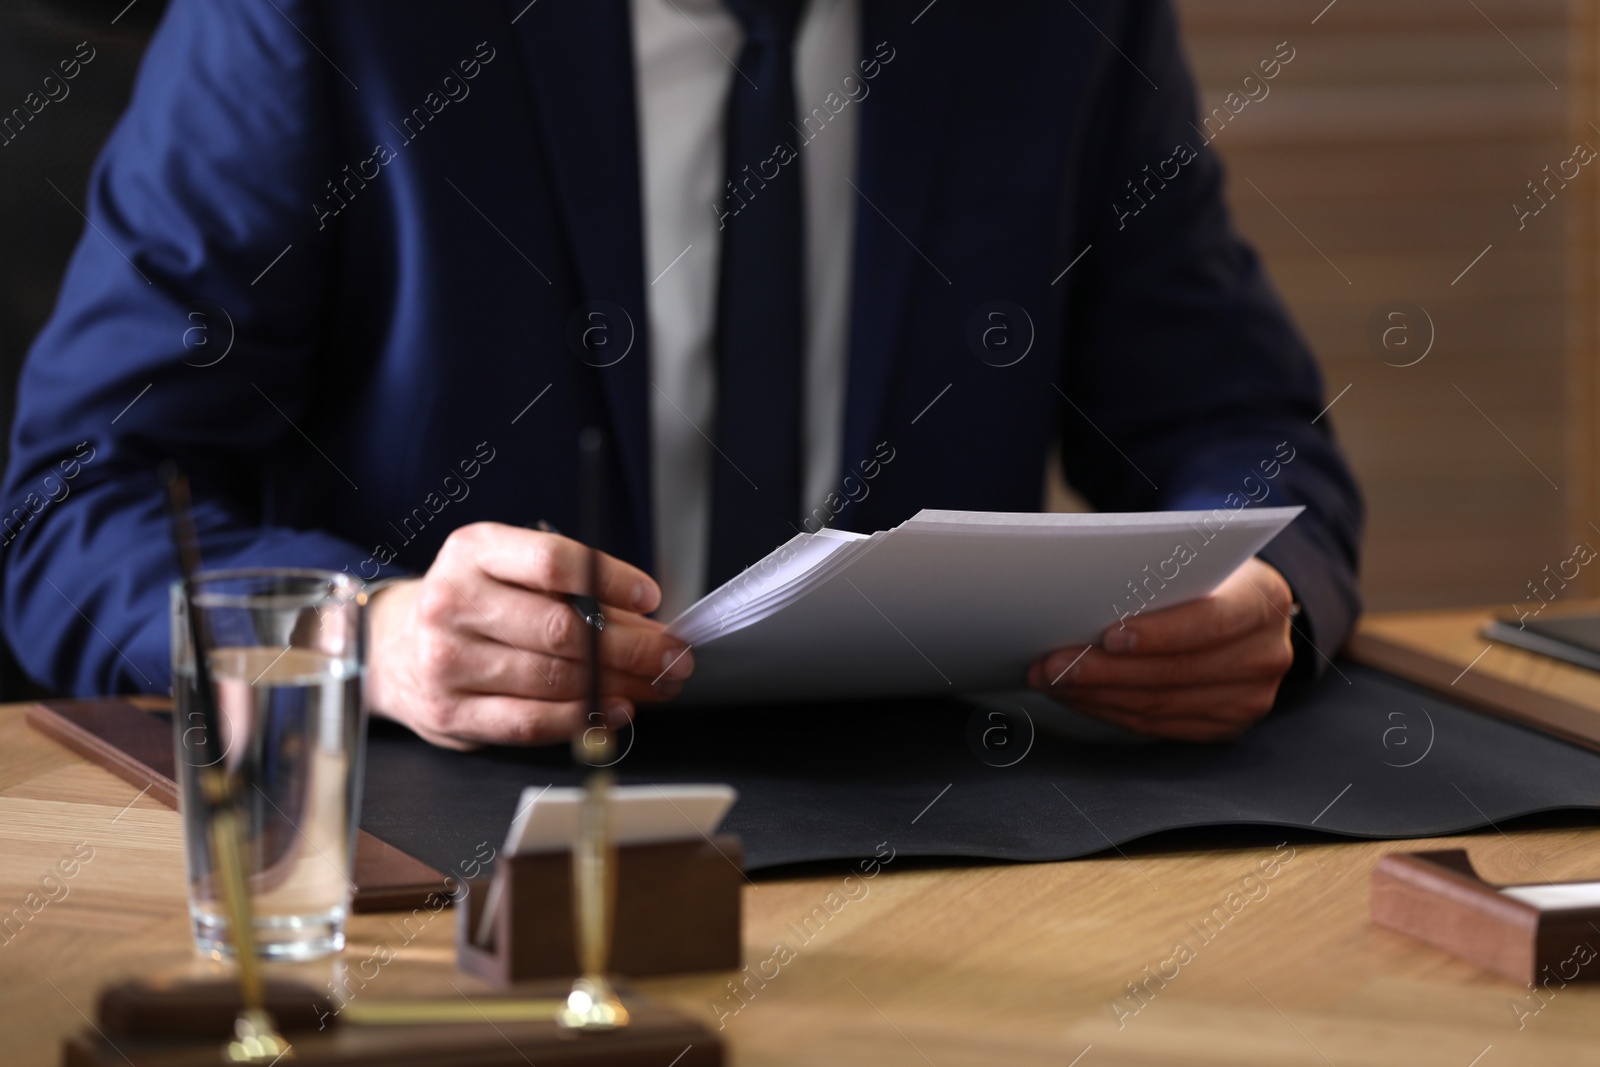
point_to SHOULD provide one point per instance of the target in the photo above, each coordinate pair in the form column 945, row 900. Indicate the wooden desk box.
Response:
column 1437, row 897
column 678, row 909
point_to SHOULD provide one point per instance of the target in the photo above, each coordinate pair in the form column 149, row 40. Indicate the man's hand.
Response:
column 1202, row 671
column 485, row 648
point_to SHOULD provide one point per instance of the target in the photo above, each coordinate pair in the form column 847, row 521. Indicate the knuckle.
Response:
column 545, row 562
column 535, row 725
column 1277, row 660
column 524, row 729
column 559, row 675
column 560, row 629
column 436, row 654
column 436, row 603
column 460, row 541
column 442, row 714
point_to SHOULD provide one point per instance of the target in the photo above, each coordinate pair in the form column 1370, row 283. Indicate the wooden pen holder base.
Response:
column 188, row 1026
column 678, row 909
column 1438, row 897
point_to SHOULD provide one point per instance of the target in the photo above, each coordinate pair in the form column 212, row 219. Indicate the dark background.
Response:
column 38, row 229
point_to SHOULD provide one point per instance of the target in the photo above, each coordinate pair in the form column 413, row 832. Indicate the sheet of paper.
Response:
column 950, row 602
column 547, row 816
column 750, row 595
column 1557, row 895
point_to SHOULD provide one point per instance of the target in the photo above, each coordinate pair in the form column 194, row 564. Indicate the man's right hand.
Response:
column 486, row 649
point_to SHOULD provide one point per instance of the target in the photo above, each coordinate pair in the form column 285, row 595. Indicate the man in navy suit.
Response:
column 366, row 270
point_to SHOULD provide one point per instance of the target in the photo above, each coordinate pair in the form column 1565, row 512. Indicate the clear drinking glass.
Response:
column 286, row 665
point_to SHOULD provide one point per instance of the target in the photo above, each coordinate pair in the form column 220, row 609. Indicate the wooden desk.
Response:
column 1443, row 650
column 968, row 966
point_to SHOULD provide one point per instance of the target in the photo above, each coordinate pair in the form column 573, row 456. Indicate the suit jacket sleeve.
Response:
column 208, row 178
column 1186, row 386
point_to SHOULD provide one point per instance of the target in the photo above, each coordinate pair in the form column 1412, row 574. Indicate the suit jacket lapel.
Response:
column 905, row 127
column 579, row 55
column 579, row 58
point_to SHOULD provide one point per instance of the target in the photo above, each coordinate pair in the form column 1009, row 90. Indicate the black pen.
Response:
column 587, row 607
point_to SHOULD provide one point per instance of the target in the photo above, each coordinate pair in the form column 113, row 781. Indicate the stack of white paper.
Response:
column 547, row 816
column 951, row 601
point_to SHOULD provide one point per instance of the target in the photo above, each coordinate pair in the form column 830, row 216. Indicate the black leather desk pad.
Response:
column 1364, row 755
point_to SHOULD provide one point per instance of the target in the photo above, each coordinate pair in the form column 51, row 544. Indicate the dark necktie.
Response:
column 755, row 487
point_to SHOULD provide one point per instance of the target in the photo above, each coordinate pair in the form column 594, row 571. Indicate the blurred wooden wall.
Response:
column 1391, row 150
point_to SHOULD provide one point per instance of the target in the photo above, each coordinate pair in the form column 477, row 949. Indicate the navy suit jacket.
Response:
column 341, row 259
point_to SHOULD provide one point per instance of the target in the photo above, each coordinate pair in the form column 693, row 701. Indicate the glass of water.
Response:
column 286, row 666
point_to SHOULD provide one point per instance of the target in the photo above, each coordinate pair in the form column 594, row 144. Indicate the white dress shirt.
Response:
column 684, row 56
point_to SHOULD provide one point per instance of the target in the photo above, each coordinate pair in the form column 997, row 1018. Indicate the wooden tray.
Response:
column 1437, row 897
column 137, row 747
column 1446, row 652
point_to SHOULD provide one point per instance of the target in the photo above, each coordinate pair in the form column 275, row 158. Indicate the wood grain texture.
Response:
column 1443, row 650
column 1438, row 898
column 1386, row 157
column 972, row 965
column 138, row 748
column 677, row 909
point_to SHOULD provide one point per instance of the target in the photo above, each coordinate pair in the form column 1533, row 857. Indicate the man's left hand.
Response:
column 1202, row 671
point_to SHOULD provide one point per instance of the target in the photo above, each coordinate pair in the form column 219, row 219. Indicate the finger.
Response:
column 1253, row 597
column 548, row 562
column 616, row 616
column 475, row 665
column 502, row 720
column 1056, row 667
column 1206, row 623
column 1241, row 704
column 514, row 616
column 646, row 651
column 1260, row 656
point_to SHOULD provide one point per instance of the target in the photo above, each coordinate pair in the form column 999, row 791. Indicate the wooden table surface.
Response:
column 973, row 965
column 1446, row 651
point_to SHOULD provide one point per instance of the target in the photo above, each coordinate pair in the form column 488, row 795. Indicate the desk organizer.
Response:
column 136, row 746
column 1438, row 898
column 678, row 909
column 187, row 1025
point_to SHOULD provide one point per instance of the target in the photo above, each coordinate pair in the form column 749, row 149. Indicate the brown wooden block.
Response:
column 678, row 909
column 185, row 1024
column 656, row 1037
column 138, row 748
column 202, row 1011
column 1438, row 898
